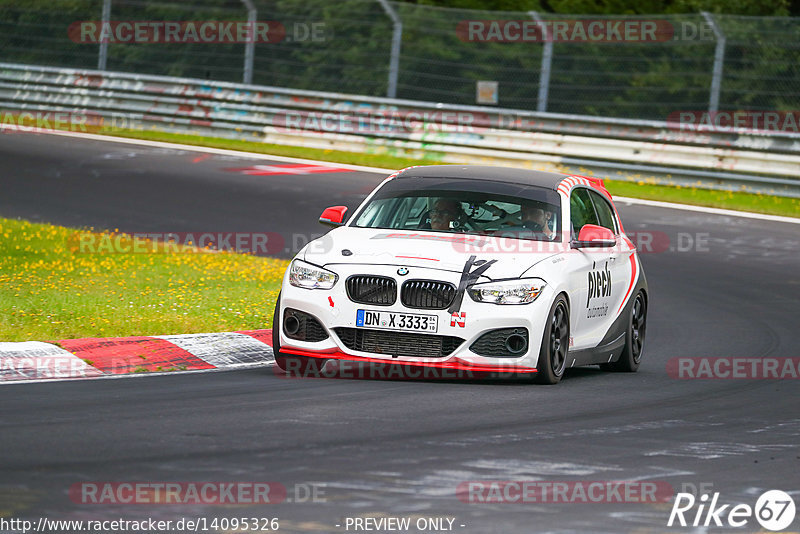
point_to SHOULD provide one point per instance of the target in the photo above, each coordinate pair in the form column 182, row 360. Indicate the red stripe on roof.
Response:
column 417, row 258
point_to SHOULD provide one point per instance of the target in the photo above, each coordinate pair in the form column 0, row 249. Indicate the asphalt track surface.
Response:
column 401, row 448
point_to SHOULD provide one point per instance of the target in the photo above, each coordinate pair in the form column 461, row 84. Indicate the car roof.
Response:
column 548, row 180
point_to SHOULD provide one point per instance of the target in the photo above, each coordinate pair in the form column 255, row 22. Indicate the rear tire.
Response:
column 555, row 344
column 631, row 355
column 291, row 365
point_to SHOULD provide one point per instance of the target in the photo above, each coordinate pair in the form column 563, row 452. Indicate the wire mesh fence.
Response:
column 615, row 66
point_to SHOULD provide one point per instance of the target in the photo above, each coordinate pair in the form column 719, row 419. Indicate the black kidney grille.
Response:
column 398, row 344
column 427, row 294
column 379, row 290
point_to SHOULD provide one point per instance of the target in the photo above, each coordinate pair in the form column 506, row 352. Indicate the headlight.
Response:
column 508, row 292
column 302, row 274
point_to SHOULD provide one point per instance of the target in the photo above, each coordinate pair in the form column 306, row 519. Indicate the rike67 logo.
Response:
column 774, row 510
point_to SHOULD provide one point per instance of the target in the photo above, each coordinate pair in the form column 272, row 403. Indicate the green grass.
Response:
column 50, row 290
column 640, row 188
column 757, row 203
column 333, row 156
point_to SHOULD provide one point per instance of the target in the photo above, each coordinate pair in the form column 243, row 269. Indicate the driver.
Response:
column 444, row 214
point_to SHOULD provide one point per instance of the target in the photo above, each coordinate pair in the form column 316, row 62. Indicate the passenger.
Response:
column 537, row 219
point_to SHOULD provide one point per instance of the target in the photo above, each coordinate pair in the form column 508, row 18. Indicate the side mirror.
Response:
column 593, row 236
column 333, row 216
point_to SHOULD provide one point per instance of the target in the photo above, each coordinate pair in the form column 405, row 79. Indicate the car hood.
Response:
column 432, row 250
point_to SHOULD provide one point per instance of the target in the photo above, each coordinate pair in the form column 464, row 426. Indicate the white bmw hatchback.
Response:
column 478, row 269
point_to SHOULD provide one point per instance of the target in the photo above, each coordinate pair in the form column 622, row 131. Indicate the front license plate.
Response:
column 407, row 322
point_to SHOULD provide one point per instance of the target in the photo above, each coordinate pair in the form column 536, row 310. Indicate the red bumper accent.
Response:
column 457, row 364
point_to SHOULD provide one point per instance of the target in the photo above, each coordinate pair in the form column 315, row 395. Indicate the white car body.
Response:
column 598, row 284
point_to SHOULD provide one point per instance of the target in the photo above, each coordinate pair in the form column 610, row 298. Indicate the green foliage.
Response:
column 350, row 56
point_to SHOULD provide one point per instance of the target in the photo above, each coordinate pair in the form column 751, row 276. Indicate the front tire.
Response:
column 555, row 344
column 631, row 355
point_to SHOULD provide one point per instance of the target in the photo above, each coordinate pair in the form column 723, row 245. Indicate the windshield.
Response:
column 473, row 207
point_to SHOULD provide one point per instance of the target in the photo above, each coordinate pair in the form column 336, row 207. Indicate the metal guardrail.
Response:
column 456, row 134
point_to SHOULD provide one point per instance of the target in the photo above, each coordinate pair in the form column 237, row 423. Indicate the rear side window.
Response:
column 581, row 211
column 605, row 213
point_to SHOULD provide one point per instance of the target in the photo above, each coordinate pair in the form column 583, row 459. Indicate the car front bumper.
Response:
column 333, row 309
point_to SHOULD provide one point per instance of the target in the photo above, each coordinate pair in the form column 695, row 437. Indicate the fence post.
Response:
column 719, row 60
column 547, row 61
column 394, row 60
column 102, row 58
column 250, row 46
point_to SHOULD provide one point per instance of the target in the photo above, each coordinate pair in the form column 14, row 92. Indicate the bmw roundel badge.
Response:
column 402, row 271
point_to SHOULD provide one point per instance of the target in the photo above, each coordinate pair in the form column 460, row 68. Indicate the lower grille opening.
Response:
column 302, row 326
column 398, row 344
column 502, row 343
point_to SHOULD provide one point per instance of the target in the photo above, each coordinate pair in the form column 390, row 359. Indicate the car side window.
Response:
column 581, row 211
column 604, row 211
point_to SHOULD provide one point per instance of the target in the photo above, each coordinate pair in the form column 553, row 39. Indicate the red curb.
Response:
column 128, row 354
column 264, row 336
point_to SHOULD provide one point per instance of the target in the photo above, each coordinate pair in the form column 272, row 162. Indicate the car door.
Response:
column 619, row 267
column 589, row 277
